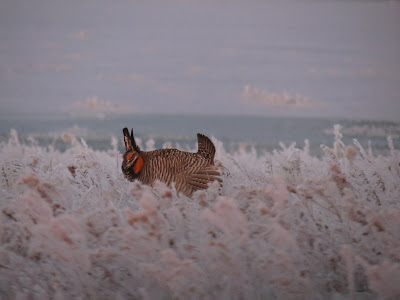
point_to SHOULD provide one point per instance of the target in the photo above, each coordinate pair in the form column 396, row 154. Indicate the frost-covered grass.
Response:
column 284, row 225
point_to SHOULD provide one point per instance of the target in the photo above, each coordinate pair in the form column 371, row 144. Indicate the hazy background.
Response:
column 291, row 58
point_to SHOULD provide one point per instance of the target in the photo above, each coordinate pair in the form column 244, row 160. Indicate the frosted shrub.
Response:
column 285, row 225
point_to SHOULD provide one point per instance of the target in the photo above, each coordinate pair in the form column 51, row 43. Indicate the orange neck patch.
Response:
column 138, row 165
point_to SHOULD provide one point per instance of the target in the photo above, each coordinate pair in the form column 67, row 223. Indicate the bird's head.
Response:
column 132, row 158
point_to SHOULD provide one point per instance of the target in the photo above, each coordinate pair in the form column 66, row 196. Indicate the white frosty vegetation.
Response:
column 285, row 225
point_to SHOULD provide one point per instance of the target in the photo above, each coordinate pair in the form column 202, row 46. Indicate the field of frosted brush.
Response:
column 285, row 225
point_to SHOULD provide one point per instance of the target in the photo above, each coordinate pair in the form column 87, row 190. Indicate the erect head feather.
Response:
column 129, row 140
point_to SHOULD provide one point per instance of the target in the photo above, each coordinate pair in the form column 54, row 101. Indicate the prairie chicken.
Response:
column 189, row 171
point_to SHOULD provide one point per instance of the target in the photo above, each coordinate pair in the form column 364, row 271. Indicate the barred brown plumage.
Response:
column 189, row 171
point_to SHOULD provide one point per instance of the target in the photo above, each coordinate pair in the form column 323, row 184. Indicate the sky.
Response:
column 304, row 58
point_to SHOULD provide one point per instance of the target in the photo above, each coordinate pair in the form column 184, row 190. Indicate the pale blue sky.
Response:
column 295, row 58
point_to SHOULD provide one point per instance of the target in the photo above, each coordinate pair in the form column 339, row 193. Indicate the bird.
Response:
column 190, row 171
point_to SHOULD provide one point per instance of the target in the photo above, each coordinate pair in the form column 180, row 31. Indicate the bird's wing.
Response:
column 205, row 147
column 198, row 179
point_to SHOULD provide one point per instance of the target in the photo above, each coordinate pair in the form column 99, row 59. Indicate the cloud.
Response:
column 195, row 69
column 151, row 84
column 256, row 96
column 73, row 56
column 81, row 35
column 52, row 67
column 148, row 50
column 51, row 45
column 100, row 77
column 17, row 68
column 93, row 105
column 355, row 73
column 139, row 79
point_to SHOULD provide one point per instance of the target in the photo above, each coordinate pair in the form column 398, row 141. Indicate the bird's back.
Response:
column 168, row 164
